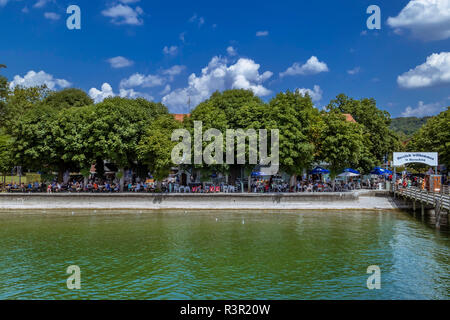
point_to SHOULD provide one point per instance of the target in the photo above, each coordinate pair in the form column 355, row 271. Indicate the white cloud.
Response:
column 193, row 18
column 131, row 93
column 140, row 80
column 315, row 94
column 123, row 14
column 151, row 80
column 129, row 1
column 423, row 110
column 174, row 70
column 435, row 71
column 32, row 79
column 354, row 71
column 426, row 19
column 262, row 33
column 166, row 90
column 52, row 16
column 312, row 66
column 41, row 3
column 38, row 4
column 182, row 36
column 106, row 91
column 231, row 51
column 171, row 51
column 217, row 75
column 200, row 20
column 120, row 62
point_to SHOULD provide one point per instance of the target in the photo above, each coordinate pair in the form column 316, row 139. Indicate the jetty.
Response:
column 438, row 203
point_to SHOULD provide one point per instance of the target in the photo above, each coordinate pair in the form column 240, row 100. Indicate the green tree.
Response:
column 3, row 96
column 343, row 142
column 68, row 98
column 375, row 123
column 5, row 155
column 434, row 136
column 155, row 147
column 299, row 124
column 19, row 101
column 32, row 145
column 231, row 109
column 117, row 127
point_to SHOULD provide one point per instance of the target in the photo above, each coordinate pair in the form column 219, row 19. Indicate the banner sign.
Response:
column 402, row 158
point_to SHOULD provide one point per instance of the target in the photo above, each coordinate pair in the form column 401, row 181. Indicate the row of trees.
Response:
column 63, row 131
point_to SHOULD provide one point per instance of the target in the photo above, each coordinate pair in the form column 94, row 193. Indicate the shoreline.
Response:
column 356, row 200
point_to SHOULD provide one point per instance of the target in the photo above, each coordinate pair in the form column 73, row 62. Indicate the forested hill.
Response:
column 408, row 125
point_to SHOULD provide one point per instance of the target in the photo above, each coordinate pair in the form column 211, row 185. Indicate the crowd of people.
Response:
column 256, row 186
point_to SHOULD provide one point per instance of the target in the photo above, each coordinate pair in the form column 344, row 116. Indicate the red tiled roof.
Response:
column 348, row 117
column 180, row 116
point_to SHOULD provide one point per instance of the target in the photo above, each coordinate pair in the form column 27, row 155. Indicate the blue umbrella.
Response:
column 258, row 174
column 388, row 171
column 351, row 170
column 378, row 171
column 319, row 170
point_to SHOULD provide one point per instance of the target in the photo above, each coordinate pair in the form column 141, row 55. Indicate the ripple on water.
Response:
column 211, row 255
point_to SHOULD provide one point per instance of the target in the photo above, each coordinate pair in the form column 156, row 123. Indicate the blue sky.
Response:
column 175, row 51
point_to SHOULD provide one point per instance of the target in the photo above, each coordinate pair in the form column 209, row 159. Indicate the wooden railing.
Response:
column 441, row 199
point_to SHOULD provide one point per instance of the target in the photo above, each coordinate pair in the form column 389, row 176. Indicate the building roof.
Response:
column 180, row 116
column 349, row 117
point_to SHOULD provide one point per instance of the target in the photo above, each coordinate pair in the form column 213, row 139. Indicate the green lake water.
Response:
column 222, row 255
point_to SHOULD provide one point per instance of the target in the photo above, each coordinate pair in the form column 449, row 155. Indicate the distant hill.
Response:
column 408, row 125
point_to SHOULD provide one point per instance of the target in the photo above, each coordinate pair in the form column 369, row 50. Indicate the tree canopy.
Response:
column 298, row 122
column 59, row 131
column 434, row 136
column 342, row 142
column 68, row 98
column 375, row 123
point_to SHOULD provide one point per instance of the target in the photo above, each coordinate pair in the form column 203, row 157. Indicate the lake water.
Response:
column 222, row 255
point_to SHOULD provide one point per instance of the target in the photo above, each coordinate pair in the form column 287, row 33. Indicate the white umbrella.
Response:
column 348, row 174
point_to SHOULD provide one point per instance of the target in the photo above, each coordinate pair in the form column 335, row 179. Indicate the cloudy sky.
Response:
column 180, row 51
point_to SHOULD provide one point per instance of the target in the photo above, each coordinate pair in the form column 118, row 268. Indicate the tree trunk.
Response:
column 234, row 172
column 61, row 171
column 122, row 179
column 293, row 182
column 100, row 168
